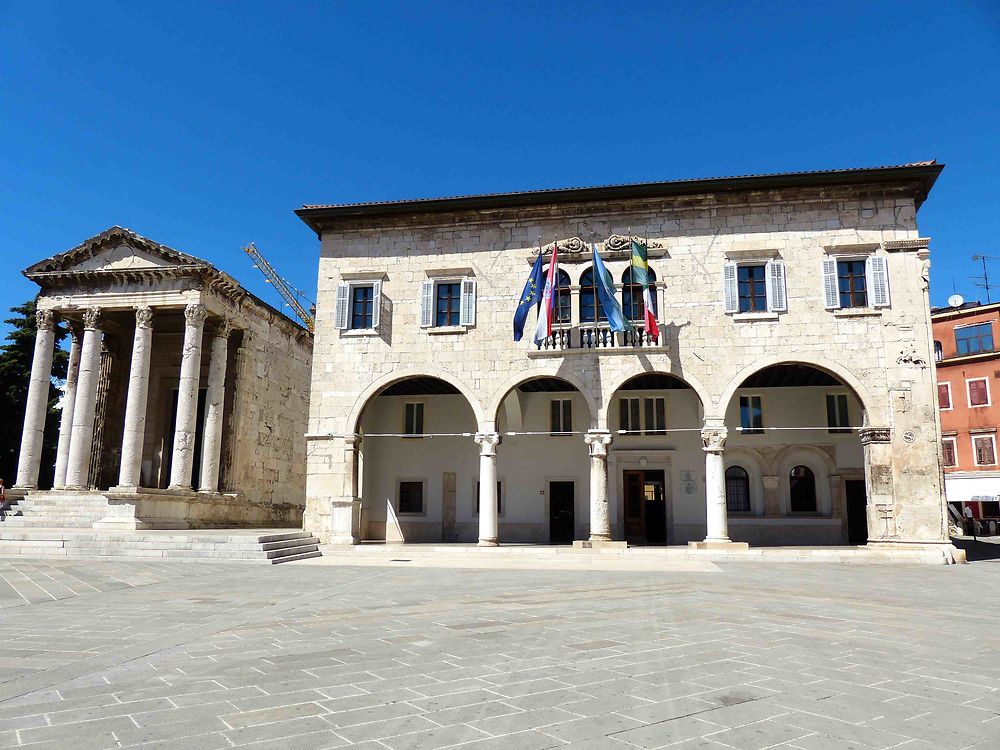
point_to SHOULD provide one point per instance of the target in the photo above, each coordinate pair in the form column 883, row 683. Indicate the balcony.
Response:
column 567, row 339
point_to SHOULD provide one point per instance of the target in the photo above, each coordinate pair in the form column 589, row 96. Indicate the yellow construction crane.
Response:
column 289, row 293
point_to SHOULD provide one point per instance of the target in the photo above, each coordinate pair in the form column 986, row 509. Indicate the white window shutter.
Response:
column 376, row 304
column 831, row 292
column 340, row 316
column 774, row 273
column 467, row 306
column 878, row 281
column 731, row 293
column 426, row 304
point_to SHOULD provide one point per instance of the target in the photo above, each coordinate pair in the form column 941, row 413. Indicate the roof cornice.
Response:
column 921, row 176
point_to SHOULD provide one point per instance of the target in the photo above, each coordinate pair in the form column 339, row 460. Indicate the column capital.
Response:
column 714, row 439
column 771, row 481
column 598, row 440
column 45, row 320
column 144, row 316
column 195, row 314
column 488, row 442
column 92, row 319
column 220, row 328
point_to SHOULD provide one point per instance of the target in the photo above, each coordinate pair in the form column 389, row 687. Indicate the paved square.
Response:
column 204, row 656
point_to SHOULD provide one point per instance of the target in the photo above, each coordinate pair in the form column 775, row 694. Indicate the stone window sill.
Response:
column 858, row 312
column 446, row 330
column 754, row 317
column 358, row 332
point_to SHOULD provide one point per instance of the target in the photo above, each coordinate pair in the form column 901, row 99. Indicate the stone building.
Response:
column 788, row 399
column 185, row 400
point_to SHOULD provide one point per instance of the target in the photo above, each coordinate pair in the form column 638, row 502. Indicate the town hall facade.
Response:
column 787, row 400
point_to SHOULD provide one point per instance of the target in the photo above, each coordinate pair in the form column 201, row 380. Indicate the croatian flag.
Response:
column 546, row 310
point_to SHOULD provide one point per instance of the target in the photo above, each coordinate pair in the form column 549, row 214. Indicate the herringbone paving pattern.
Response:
column 179, row 655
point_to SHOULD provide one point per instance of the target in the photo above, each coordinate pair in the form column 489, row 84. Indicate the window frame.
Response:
column 634, row 293
column 838, row 429
column 791, row 499
column 969, row 326
column 749, row 494
column 563, row 301
column 586, row 290
column 643, row 427
column 352, row 289
column 863, row 261
column 422, row 403
column 400, row 481
column 975, row 451
column 753, row 284
column 954, row 452
column 968, row 392
column 457, row 311
column 951, row 399
column 563, row 403
column 752, row 430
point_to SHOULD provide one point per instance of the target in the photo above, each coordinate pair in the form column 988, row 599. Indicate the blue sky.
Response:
column 203, row 125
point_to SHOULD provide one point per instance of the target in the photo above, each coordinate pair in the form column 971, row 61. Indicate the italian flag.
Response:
column 546, row 308
column 640, row 275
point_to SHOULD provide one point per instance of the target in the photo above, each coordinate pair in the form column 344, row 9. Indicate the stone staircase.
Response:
column 67, row 510
column 271, row 546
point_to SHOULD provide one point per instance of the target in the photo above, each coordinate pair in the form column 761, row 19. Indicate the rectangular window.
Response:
column 751, row 415
column 944, row 396
column 413, row 418
column 837, row 418
column 984, row 449
column 974, row 339
column 852, row 283
column 499, row 497
column 655, row 411
column 979, row 392
column 411, row 497
column 448, row 296
column 561, row 416
column 629, row 415
column 362, row 306
column 948, row 452
column 752, row 285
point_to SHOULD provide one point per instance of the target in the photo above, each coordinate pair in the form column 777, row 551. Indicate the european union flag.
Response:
column 530, row 297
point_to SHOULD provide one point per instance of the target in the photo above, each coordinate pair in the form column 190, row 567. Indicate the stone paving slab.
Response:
column 173, row 655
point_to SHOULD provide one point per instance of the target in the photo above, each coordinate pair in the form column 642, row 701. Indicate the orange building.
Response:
column 966, row 339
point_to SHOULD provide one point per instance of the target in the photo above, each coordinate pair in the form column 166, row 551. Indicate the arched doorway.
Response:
column 543, row 467
column 418, row 464
column 656, row 465
column 794, row 429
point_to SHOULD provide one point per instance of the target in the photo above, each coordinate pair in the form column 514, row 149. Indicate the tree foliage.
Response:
column 15, row 373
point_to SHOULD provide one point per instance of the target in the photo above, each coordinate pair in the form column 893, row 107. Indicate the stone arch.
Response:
column 751, row 461
column 493, row 406
column 373, row 390
column 704, row 399
column 874, row 413
column 823, row 467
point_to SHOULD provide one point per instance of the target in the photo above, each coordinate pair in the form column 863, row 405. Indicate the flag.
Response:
column 640, row 275
column 530, row 297
column 547, row 309
column 605, row 284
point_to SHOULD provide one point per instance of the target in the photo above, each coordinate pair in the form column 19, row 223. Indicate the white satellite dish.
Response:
column 955, row 300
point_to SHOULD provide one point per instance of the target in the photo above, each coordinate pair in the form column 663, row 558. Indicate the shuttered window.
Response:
column 944, row 395
column 979, row 392
column 948, row 453
column 984, row 449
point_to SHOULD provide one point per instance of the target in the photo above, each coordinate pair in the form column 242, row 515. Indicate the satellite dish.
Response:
column 955, row 300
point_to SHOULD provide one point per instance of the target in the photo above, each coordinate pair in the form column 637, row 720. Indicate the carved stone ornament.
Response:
column 910, row 357
column 714, row 439
column 598, row 442
column 620, row 242
column 92, row 318
column 45, row 320
column 616, row 243
column 195, row 315
column 144, row 317
column 488, row 442
column 871, row 435
column 221, row 327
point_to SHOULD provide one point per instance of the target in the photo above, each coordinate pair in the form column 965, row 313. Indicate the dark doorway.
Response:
column 857, row 512
column 645, row 507
column 562, row 517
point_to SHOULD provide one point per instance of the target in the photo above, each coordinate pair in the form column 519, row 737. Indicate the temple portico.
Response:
column 173, row 413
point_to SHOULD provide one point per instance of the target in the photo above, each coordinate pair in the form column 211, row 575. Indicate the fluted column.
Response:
column 714, row 440
column 135, row 404
column 488, row 522
column 30, row 458
column 600, row 520
column 85, row 403
column 68, row 402
column 211, row 451
column 182, row 464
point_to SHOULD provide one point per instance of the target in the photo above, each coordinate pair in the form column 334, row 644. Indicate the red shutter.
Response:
column 944, row 396
column 977, row 392
column 948, row 452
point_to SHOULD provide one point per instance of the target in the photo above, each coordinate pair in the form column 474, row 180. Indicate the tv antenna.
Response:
column 983, row 282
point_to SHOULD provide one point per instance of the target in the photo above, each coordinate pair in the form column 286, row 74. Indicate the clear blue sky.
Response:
column 203, row 126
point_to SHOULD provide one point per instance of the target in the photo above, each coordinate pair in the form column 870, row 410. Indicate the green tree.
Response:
column 15, row 373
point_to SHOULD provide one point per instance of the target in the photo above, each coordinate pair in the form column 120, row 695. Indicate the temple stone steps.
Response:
column 67, row 510
column 210, row 545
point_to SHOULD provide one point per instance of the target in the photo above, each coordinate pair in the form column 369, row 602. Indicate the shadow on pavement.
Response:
column 977, row 551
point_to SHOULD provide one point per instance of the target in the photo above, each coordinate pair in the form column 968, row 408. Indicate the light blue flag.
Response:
column 605, row 284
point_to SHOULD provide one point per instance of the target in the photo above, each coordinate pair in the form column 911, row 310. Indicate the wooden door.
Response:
column 562, row 515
